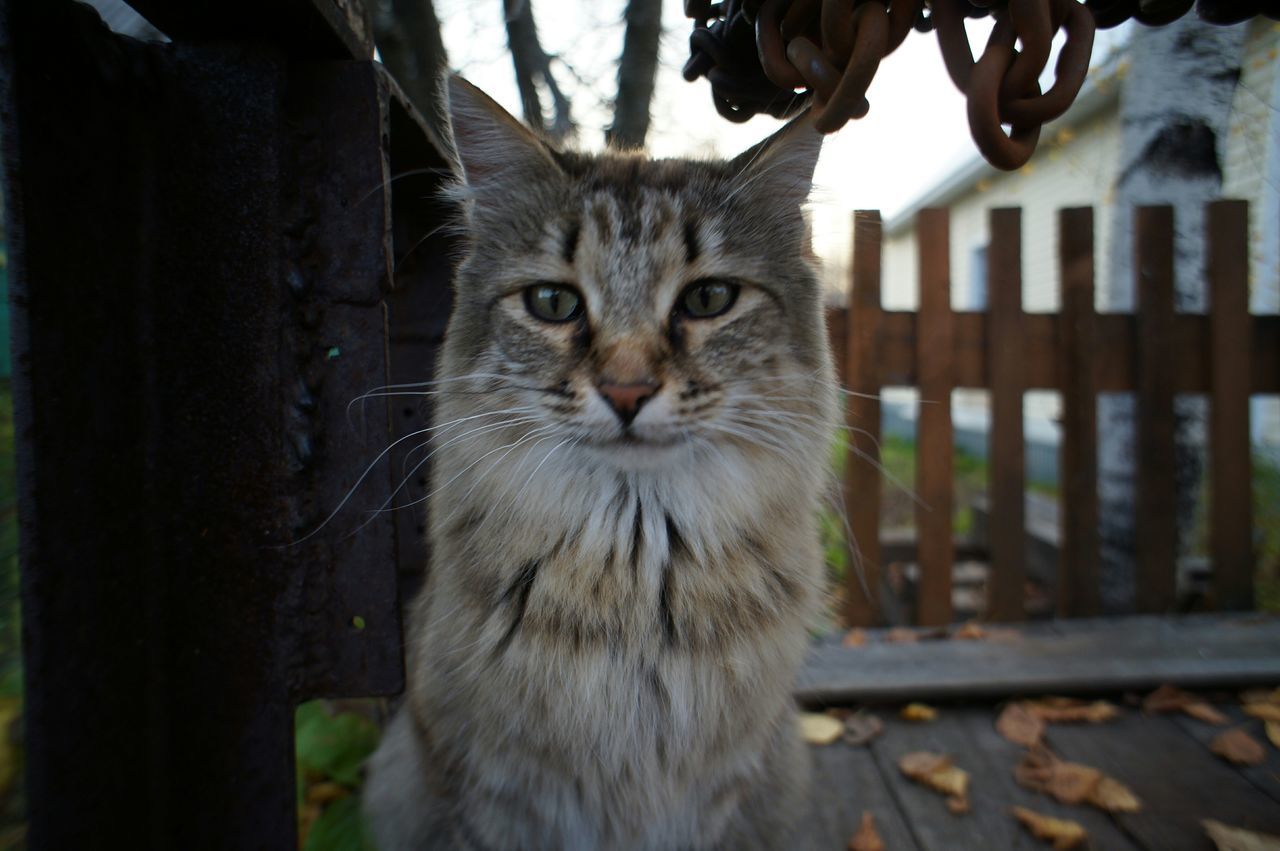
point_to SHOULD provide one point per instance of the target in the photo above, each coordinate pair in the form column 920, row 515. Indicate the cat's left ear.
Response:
column 494, row 150
column 781, row 167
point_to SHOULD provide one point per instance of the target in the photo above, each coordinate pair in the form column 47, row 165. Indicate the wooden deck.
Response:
column 1164, row 759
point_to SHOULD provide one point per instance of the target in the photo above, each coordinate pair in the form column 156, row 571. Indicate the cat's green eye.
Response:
column 706, row 299
column 553, row 302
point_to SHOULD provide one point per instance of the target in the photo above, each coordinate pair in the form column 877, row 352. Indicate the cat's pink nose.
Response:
column 627, row 399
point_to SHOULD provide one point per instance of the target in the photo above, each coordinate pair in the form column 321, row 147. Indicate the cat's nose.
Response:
column 627, row 399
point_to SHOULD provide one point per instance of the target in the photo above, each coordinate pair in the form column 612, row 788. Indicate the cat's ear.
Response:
column 492, row 146
column 781, row 167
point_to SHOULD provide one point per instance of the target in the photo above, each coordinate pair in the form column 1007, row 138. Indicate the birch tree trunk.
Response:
column 1173, row 112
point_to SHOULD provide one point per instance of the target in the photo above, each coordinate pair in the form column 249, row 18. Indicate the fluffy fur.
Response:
column 603, row 652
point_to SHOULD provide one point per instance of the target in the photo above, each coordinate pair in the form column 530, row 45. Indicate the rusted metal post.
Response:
column 201, row 245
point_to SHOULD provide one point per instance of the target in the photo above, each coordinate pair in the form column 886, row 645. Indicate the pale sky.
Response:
column 914, row 136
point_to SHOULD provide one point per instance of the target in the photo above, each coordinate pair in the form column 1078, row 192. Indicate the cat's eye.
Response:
column 553, row 302
column 705, row 299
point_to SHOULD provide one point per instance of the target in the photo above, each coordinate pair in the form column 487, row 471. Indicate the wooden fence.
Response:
column 1156, row 353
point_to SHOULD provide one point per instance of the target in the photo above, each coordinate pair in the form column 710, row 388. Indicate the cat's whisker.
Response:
column 541, row 432
column 525, row 438
column 455, row 423
column 484, row 429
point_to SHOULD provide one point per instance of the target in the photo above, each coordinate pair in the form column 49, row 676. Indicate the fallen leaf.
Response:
column 1114, row 797
column 866, row 839
column 970, row 631
column 957, row 806
column 1073, row 783
column 817, row 729
column 326, row 793
column 1260, row 695
column 1067, row 710
column 1167, row 698
column 855, row 638
column 862, row 727
column 1062, row 833
column 1237, row 839
column 918, row 712
column 1235, row 745
column 935, row 771
column 1019, row 726
column 1202, row 711
column 1273, row 732
column 901, row 635
column 1265, row 711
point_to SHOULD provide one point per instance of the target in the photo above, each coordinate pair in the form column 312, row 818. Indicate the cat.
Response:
column 634, row 412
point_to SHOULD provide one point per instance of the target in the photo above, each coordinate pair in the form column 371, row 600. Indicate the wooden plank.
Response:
column 1079, row 657
column 1007, row 455
column 988, row 825
column 934, row 432
column 837, row 320
column 1266, row 775
column 1230, row 469
column 847, row 782
column 1078, row 589
column 1156, row 504
column 1114, row 353
column 1178, row 783
column 995, row 787
column 862, row 416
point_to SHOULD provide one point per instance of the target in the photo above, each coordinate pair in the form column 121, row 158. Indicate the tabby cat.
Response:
column 634, row 411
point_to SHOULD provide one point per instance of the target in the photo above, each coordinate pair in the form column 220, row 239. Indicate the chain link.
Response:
column 777, row 56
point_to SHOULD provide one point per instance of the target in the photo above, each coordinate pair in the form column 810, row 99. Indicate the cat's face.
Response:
column 636, row 308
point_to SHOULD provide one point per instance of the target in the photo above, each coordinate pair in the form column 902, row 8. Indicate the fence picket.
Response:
column 1007, row 455
column 934, row 345
column 1078, row 590
column 862, row 414
column 1231, row 526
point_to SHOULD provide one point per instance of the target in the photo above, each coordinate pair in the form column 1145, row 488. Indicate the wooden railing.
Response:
column 1156, row 353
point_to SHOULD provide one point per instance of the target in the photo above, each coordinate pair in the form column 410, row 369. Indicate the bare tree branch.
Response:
column 407, row 33
column 636, row 70
column 533, row 66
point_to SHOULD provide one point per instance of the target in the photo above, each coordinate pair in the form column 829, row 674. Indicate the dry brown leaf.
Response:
column 1019, row 726
column 326, row 793
column 957, row 806
column 1073, row 783
column 1265, row 711
column 856, row 637
column 1202, row 711
column 867, row 838
column 1167, row 698
column 901, row 635
column 935, row 771
column 970, row 631
column 1062, row 833
column 1235, row 745
column 1067, row 710
column 1237, row 839
column 819, row 729
column 1114, row 797
column 1273, row 732
column 862, row 727
column 1260, row 695
column 918, row 712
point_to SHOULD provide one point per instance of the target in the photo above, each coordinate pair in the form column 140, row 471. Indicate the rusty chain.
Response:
column 776, row 56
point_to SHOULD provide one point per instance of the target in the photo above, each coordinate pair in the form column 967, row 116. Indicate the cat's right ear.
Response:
column 493, row 149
